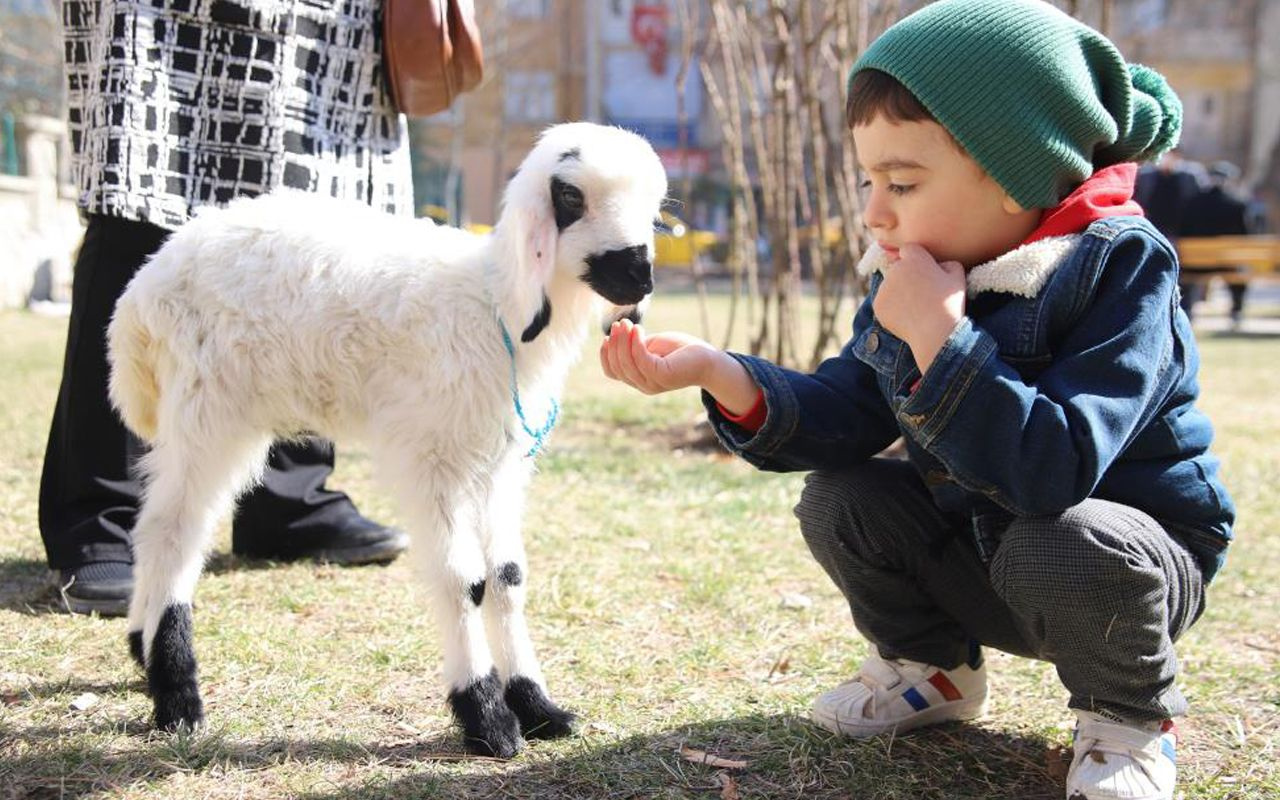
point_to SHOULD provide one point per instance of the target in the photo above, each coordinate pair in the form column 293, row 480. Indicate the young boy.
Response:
column 1022, row 334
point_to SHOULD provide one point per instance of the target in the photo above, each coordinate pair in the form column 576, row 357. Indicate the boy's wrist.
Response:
column 730, row 384
column 926, row 345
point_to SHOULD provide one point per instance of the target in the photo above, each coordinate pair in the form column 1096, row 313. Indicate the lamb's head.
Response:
column 579, row 215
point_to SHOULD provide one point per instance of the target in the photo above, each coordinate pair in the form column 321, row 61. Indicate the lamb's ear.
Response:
column 536, row 254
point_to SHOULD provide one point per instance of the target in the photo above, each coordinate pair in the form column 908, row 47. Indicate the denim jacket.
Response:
column 1072, row 375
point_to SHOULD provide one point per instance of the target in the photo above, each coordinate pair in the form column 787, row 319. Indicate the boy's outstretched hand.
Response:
column 657, row 363
column 921, row 301
column 662, row 362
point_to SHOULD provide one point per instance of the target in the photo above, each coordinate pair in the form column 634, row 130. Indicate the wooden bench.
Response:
column 1204, row 257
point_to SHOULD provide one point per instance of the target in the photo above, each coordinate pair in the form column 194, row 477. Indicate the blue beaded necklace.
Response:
column 540, row 435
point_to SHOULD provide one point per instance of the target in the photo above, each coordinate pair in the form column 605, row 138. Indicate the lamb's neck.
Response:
column 559, row 344
column 518, row 301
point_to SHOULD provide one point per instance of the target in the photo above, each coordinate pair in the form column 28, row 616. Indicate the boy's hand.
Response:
column 920, row 301
column 654, row 364
column 663, row 362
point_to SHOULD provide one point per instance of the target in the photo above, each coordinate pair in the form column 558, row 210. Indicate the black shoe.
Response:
column 101, row 586
column 353, row 539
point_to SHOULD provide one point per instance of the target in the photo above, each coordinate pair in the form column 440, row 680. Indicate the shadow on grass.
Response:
column 118, row 690
column 784, row 757
column 27, row 587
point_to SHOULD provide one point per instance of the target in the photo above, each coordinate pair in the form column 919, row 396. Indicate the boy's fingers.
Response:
column 911, row 250
column 605, row 365
column 651, row 366
column 633, row 361
column 618, row 352
column 613, row 349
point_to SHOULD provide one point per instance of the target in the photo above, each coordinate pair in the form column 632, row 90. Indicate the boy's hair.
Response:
column 873, row 93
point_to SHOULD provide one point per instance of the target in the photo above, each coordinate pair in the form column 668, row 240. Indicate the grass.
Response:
column 659, row 569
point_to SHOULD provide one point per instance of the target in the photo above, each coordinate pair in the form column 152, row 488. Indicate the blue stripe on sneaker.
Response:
column 916, row 700
column 1166, row 747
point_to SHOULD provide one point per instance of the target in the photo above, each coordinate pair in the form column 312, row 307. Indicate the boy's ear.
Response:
column 1011, row 206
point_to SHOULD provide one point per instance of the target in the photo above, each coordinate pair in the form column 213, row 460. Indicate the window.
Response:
column 528, row 9
column 530, row 96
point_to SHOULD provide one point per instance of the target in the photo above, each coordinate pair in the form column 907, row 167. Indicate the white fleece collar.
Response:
column 1021, row 271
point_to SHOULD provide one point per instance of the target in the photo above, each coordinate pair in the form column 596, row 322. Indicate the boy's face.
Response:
column 923, row 189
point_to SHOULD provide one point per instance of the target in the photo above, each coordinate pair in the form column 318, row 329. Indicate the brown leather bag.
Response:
column 431, row 52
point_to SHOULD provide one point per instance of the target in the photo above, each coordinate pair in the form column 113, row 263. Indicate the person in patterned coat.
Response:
column 174, row 105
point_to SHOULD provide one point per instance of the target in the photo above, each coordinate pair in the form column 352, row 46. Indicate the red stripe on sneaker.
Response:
column 944, row 686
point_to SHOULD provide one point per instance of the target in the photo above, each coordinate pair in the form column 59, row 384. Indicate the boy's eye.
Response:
column 892, row 188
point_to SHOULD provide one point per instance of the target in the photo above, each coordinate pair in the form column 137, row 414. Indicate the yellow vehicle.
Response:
column 676, row 244
column 438, row 213
column 441, row 216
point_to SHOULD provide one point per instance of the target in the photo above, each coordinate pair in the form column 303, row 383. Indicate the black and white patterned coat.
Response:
column 176, row 104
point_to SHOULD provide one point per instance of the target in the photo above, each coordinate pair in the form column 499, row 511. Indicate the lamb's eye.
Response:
column 571, row 197
column 568, row 202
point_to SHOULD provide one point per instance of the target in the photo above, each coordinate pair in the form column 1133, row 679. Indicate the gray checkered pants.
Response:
column 1101, row 591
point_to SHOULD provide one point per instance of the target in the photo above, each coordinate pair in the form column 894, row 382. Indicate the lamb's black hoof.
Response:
column 171, row 674
column 539, row 717
column 488, row 726
column 179, row 711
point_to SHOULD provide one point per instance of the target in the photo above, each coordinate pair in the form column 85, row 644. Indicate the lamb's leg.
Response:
column 443, row 522
column 186, row 493
column 526, row 692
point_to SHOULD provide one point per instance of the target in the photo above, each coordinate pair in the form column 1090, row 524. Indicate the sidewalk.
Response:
column 1261, row 311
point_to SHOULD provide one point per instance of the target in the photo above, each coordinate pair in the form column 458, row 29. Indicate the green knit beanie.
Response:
column 1037, row 98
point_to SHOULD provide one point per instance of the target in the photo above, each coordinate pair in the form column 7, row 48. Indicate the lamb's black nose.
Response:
column 623, row 276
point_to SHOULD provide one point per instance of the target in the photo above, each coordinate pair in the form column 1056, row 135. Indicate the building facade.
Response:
column 1222, row 57
column 548, row 61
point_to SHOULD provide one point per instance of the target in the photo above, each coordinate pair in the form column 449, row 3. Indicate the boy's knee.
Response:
column 835, row 506
column 824, row 509
column 831, row 498
column 1090, row 551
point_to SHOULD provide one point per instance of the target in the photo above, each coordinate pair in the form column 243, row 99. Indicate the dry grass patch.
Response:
column 664, row 584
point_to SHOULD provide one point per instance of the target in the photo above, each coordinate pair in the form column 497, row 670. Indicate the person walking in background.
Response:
column 1165, row 190
column 1218, row 211
column 173, row 106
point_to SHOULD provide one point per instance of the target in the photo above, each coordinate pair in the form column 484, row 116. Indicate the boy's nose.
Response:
column 876, row 212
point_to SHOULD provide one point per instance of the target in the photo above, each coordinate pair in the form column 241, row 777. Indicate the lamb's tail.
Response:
column 132, row 350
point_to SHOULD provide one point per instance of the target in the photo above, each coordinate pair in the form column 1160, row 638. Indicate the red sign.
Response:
column 689, row 161
column 649, row 30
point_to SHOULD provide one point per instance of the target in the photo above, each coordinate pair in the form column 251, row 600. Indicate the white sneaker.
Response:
column 1116, row 761
column 898, row 695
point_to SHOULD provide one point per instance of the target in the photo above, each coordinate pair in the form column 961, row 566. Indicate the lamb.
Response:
column 444, row 350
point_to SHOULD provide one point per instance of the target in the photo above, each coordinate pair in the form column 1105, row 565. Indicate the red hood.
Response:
column 1107, row 193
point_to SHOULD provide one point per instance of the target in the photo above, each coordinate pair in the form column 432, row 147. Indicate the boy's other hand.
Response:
column 920, row 301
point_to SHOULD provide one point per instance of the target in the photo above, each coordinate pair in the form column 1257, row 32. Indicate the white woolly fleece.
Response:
column 1021, row 271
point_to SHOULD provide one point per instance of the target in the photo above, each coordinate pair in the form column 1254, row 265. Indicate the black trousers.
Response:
column 1101, row 590
column 88, row 494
